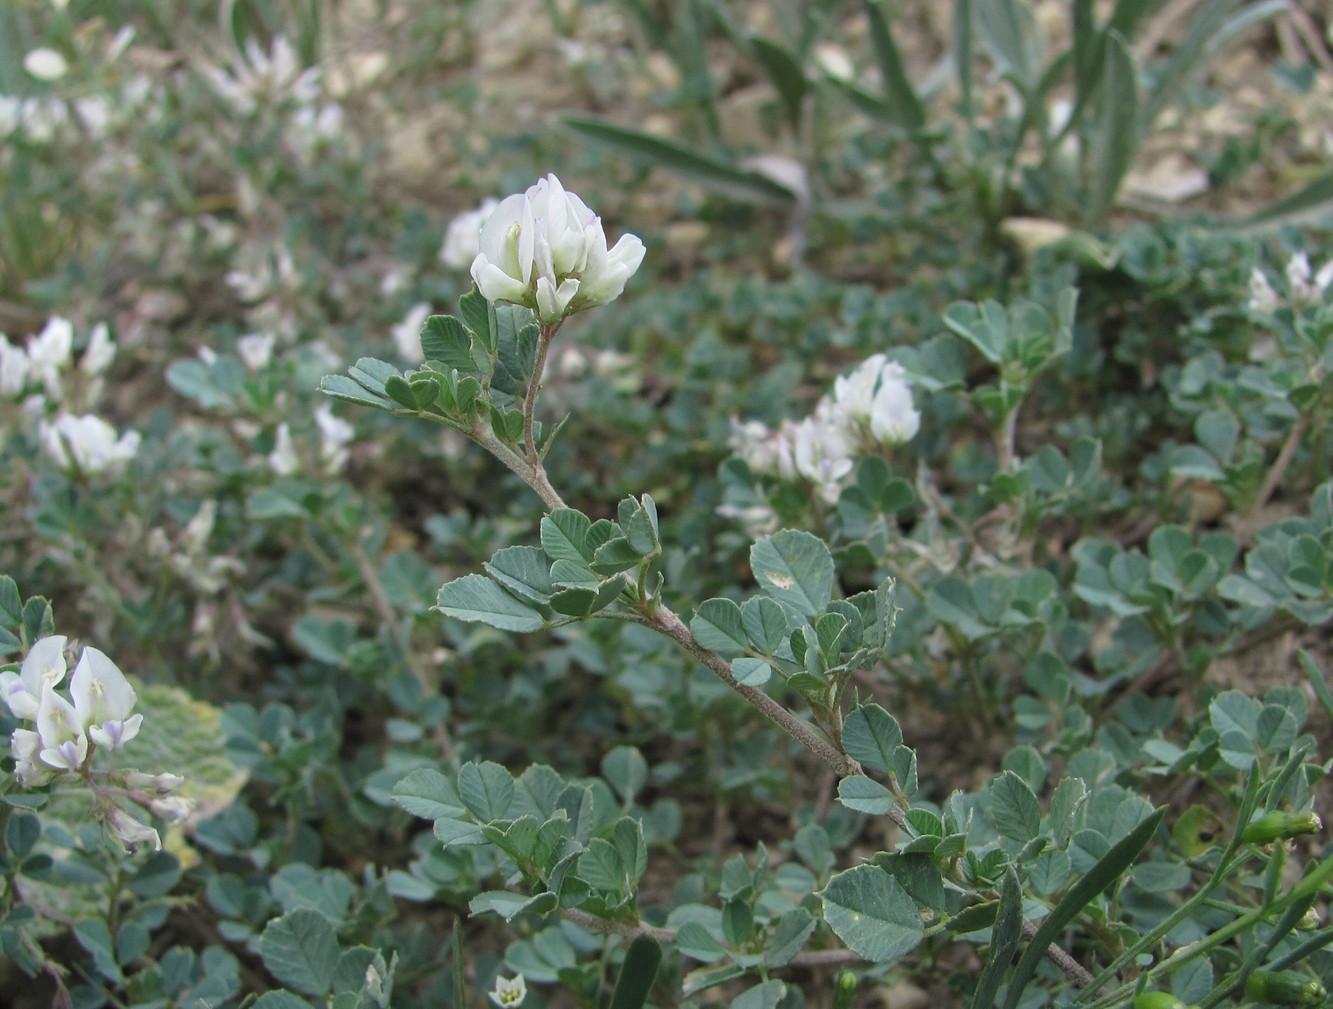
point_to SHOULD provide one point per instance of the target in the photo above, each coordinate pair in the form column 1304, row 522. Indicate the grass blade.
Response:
column 962, row 54
column 1117, row 131
column 901, row 96
column 1108, row 869
column 1312, row 203
column 784, row 70
column 1185, row 60
column 1005, row 935
column 716, row 175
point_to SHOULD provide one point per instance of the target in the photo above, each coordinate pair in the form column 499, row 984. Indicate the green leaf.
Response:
column 796, row 569
column 718, row 176
column 871, row 912
column 626, row 771
column 428, row 794
column 717, row 626
column 751, row 672
column 301, row 949
column 478, row 599
column 1117, row 138
column 1007, row 28
column 1067, row 799
column 764, row 623
column 1106, row 871
column 280, row 999
column 1311, row 203
column 865, row 795
column 444, row 339
column 1015, row 809
column 900, row 96
column 768, row 995
column 509, row 905
column 637, row 973
column 1005, row 936
column 564, row 536
column 1184, row 59
column 343, row 388
column 94, row 937
column 870, row 735
column 524, row 571
column 11, row 606
column 789, row 936
column 784, row 70
column 487, row 789
column 615, row 555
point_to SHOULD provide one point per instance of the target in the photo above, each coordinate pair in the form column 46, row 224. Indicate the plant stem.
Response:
column 1279, row 468
column 548, row 331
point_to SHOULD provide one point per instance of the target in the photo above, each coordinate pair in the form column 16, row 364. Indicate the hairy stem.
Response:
column 548, row 331
column 1279, row 468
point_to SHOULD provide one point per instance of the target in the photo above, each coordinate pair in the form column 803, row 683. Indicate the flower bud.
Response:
column 1281, row 826
column 1285, row 987
column 130, row 832
column 156, row 784
column 1157, row 1000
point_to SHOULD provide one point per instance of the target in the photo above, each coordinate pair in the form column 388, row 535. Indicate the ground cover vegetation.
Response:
column 761, row 504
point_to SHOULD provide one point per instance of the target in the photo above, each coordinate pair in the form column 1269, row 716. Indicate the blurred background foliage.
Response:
column 252, row 194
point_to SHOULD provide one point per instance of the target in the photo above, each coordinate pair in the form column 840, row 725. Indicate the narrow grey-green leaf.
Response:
column 476, row 598
column 784, row 70
column 1117, row 128
column 900, row 96
column 1005, row 936
column 708, row 172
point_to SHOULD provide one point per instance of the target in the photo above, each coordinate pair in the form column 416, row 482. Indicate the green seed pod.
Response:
column 846, row 988
column 1280, row 826
column 1285, row 987
column 1157, row 1000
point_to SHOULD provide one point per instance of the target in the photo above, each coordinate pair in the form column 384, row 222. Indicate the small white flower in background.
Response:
column 757, row 444
column 49, row 354
column 99, row 353
column 877, row 400
column 1305, row 289
column 256, row 350
column 546, row 250
column 45, row 64
column 462, row 238
column 13, row 368
column 509, row 993
column 283, row 459
column 87, row 444
column 44, row 664
column 1262, row 296
column 335, row 434
column 821, row 452
column 407, row 334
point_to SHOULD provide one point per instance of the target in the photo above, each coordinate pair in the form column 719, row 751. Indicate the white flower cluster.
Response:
column 868, row 409
column 68, row 730
column 546, row 250
column 257, row 79
column 335, row 434
column 43, row 376
column 1304, row 286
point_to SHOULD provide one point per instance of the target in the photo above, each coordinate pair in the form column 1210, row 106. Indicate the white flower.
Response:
column 1262, row 296
column 283, row 459
column 462, row 238
column 25, row 747
column 49, row 354
column 821, row 453
column 64, row 744
column 173, row 809
column 407, row 334
column 87, row 444
column 893, row 418
column 758, row 444
column 877, row 399
column 159, row 784
column 44, row 664
column 131, row 832
column 99, row 353
column 13, row 368
column 335, row 433
column 509, row 993
column 45, row 64
column 546, row 250
column 256, row 349
column 103, row 699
